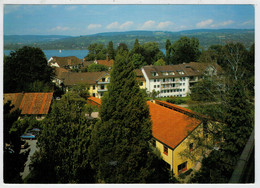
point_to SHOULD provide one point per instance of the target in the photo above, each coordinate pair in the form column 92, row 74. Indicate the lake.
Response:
column 64, row 53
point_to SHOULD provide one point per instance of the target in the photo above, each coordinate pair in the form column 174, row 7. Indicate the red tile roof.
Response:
column 67, row 61
column 94, row 100
column 30, row 103
column 108, row 63
column 168, row 125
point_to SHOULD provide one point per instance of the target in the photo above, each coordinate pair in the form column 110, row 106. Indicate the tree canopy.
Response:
column 184, row 50
column 96, row 52
column 119, row 149
column 24, row 67
column 63, row 144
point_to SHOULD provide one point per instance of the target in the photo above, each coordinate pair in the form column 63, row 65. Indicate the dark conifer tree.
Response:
column 120, row 149
column 168, row 52
column 110, row 50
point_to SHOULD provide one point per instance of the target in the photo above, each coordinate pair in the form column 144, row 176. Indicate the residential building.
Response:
column 70, row 62
column 30, row 104
column 107, row 62
column 140, row 78
column 177, row 80
column 96, row 82
column 172, row 127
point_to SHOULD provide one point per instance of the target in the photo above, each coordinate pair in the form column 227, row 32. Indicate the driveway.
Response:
column 32, row 146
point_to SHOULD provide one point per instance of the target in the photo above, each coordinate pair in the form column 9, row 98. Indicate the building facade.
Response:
column 177, row 80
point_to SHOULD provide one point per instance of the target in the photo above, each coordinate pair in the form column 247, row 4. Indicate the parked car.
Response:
column 28, row 136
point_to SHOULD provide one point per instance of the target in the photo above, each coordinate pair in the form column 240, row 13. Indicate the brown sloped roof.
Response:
column 60, row 72
column 66, row 61
column 73, row 78
column 189, row 69
column 108, row 63
column 139, row 75
column 31, row 103
column 169, row 126
column 15, row 98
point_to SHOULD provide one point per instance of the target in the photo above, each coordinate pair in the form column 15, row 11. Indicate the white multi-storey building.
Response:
column 176, row 80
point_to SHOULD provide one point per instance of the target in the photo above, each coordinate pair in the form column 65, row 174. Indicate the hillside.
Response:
column 206, row 37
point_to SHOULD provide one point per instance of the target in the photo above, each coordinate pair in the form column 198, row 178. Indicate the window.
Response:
column 182, row 167
column 158, row 80
column 154, row 86
column 94, row 87
column 102, row 87
column 154, row 73
column 94, row 94
column 191, row 147
column 101, row 94
column 165, row 150
column 164, row 80
column 158, row 86
column 141, row 83
column 154, row 80
column 183, row 89
column 103, row 79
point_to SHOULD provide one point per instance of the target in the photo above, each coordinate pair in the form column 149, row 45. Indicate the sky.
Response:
column 75, row 20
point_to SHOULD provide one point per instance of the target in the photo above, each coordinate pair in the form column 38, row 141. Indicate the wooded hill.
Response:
column 207, row 37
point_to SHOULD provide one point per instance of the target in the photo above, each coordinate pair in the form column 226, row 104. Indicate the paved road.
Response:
column 32, row 146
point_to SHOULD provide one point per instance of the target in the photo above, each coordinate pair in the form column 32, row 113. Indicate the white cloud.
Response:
column 221, row 24
column 148, row 24
column 113, row 25
column 69, row 7
column 94, row 26
column 249, row 22
column 59, row 28
column 163, row 25
column 10, row 8
column 126, row 25
column 204, row 23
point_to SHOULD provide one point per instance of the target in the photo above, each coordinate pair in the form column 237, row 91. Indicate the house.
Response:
column 172, row 127
column 140, row 78
column 177, row 80
column 32, row 104
column 70, row 62
column 96, row 82
column 60, row 75
column 107, row 62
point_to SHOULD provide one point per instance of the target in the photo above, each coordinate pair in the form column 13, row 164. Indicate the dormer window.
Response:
column 180, row 72
column 154, row 73
column 171, row 73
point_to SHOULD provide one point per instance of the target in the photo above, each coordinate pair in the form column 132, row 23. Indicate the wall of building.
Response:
column 183, row 149
column 167, row 158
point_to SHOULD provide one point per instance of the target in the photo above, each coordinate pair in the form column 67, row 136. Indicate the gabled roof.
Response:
column 30, row 103
column 139, row 75
column 169, row 126
column 95, row 100
column 188, row 69
column 67, row 61
column 73, row 78
column 60, row 73
column 108, row 63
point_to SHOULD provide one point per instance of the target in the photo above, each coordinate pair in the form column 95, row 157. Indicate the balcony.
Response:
column 106, row 82
column 101, row 90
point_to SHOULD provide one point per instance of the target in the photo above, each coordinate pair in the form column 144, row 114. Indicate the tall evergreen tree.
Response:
column 110, row 50
column 168, row 52
column 63, row 144
column 120, row 151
